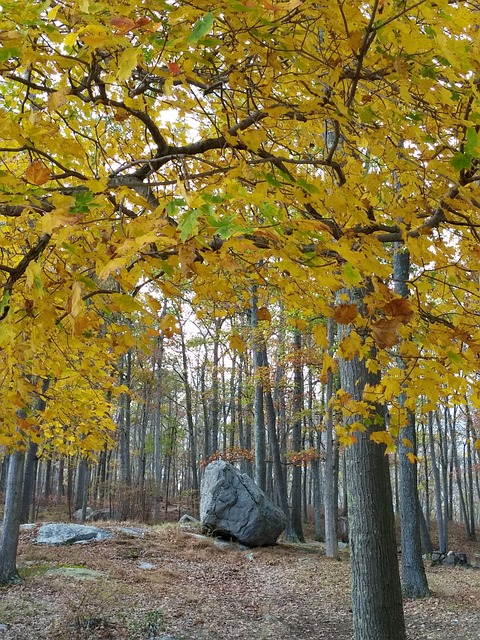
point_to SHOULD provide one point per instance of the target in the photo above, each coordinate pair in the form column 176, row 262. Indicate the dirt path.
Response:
column 173, row 586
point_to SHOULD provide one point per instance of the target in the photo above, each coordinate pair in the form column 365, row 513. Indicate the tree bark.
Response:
column 376, row 589
column 441, row 520
column 414, row 579
column 11, row 519
column 331, row 462
column 259, row 415
column 297, row 437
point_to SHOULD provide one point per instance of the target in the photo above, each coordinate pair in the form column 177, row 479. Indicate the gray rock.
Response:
column 78, row 515
column 232, row 506
column 186, row 518
column 61, row 533
column 28, row 526
column 229, row 545
column 133, row 532
column 146, row 566
column 92, row 515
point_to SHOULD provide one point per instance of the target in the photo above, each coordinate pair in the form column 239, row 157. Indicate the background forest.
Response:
column 248, row 230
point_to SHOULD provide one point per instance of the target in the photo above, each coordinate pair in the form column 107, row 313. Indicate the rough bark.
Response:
column 331, row 463
column 441, row 520
column 11, row 519
column 414, row 580
column 297, row 437
column 259, row 415
column 376, row 589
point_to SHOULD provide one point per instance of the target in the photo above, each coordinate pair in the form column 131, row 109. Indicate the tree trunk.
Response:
column 297, row 437
column 469, row 487
column 259, row 415
column 376, row 589
column 331, row 462
column 125, row 424
column 11, row 519
column 414, row 579
column 280, row 479
column 30, row 468
column 441, row 521
column 192, row 443
column 215, row 404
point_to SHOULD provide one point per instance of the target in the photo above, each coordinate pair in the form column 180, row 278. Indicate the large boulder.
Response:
column 232, row 505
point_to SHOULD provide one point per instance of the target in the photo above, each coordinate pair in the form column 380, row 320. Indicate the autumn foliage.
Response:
column 149, row 148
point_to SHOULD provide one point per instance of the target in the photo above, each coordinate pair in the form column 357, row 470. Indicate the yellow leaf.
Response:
column 75, row 302
column 237, row 343
column 383, row 437
column 320, row 335
column 412, row 457
column 169, row 325
column 58, row 99
column 127, row 61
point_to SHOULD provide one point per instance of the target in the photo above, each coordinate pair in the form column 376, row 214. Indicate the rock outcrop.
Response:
column 232, row 506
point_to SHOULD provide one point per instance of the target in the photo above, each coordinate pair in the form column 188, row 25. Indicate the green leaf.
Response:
column 471, row 141
column 9, row 52
column 188, row 224
column 461, row 161
column 201, row 28
column 351, row 275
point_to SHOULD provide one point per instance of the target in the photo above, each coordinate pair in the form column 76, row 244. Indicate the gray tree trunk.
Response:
column 376, row 589
column 331, row 463
column 192, row 442
column 297, row 438
column 259, row 415
column 30, row 469
column 441, row 520
column 11, row 519
column 414, row 579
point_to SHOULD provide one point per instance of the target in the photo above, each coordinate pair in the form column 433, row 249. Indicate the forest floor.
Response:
column 171, row 585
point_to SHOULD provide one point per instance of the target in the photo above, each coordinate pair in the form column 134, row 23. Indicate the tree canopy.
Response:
column 152, row 148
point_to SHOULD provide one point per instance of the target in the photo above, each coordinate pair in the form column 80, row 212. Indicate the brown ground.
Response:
column 200, row 592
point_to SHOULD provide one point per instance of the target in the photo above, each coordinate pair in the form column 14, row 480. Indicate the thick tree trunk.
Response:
column 376, row 589
column 11, row 519
column 414, row 579
column 81, row 488
column 280, row 479
column 30, row 472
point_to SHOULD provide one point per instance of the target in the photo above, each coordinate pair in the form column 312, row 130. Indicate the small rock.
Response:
column 229, row 544
column 28, row 526
column 250, row 556
column 147, row 566
column 133, row 532
column 187, row 518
